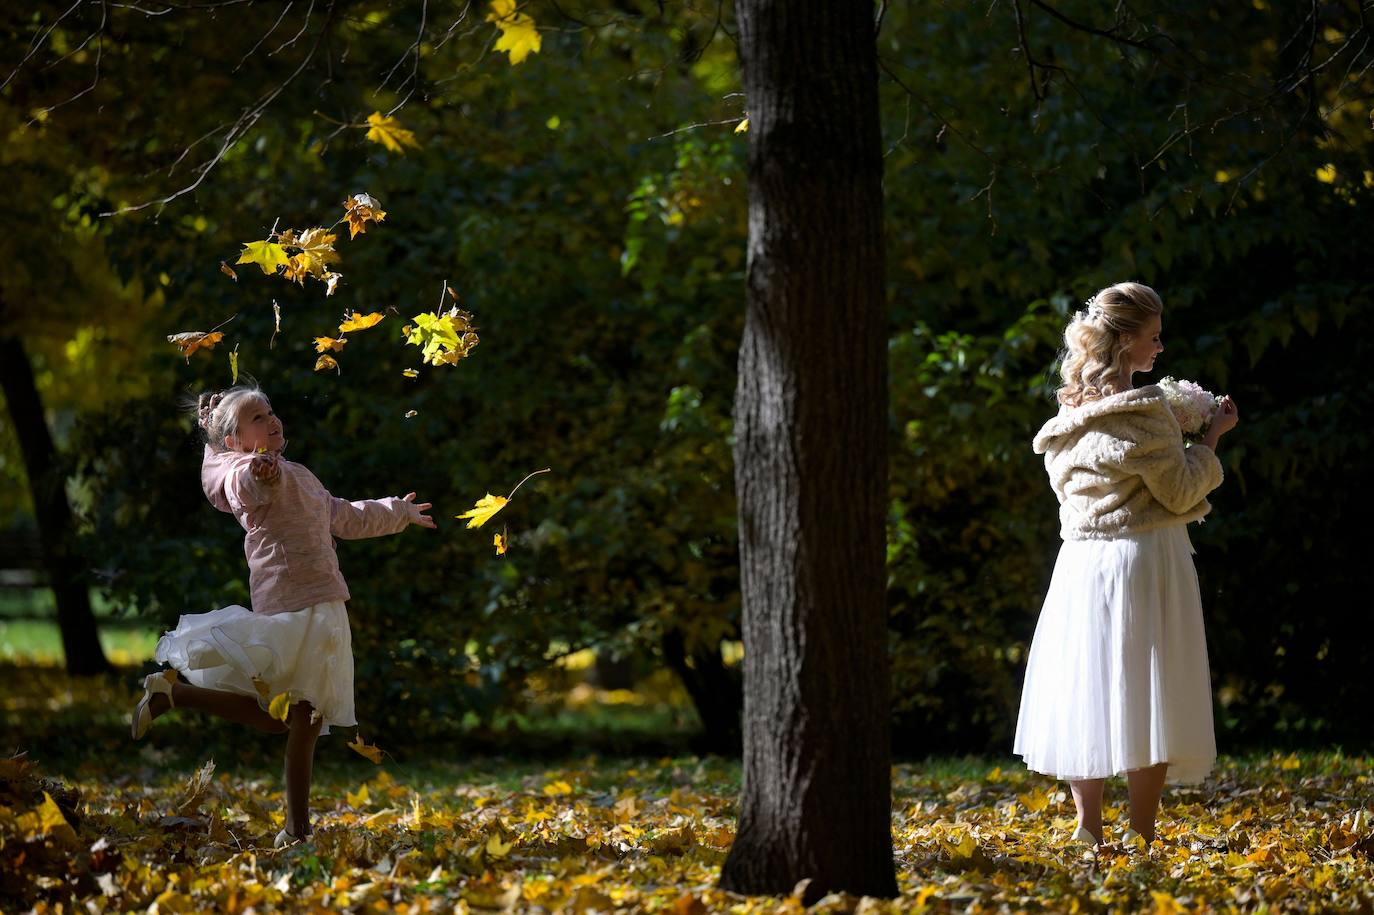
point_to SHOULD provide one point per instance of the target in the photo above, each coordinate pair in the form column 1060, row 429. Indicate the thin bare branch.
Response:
column 1025, row 49
column 268, row 34
column 38, row 42
column 241, row 127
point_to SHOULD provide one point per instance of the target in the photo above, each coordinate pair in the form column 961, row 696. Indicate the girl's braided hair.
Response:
column 217, row 412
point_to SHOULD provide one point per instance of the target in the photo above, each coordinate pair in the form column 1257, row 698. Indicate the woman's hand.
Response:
column 265, row 468
column 1223, row 421
column 422, row 519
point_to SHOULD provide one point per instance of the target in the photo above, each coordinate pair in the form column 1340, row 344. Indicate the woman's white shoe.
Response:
column 1132, row 839
column 1082, row 835
column 153, row 684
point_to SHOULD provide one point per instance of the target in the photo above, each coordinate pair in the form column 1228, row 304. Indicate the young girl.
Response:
column 296, row 638
column 1117, row 677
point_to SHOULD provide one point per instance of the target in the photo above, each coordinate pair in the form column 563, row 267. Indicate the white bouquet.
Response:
column 1193, row 406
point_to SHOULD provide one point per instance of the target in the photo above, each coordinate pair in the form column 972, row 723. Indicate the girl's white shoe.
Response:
column 1132, row 839
column 284, row 839
column 153, row 684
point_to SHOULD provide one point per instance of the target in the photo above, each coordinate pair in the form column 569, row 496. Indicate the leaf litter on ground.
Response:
column 145, row 829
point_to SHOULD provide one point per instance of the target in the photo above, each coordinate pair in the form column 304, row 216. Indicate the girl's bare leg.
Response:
column 1145, row 787
column 300, row 764
column 1087, row 797
column 232, row 706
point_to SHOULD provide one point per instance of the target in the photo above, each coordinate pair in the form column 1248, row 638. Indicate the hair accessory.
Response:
column 207, row 409
column 1092, row 308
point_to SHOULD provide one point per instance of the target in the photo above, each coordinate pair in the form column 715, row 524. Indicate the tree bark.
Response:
column 811, row 459
column 52, row 512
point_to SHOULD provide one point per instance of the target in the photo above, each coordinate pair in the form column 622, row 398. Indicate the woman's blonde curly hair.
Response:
column 1096, row 340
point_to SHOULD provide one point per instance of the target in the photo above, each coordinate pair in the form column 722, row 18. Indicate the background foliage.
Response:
column 588, row 205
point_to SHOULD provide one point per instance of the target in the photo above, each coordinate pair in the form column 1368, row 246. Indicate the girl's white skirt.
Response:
column 1117, row 676
column 308, row 653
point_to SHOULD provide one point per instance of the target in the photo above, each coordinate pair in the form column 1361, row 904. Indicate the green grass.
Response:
column 29, row 632
column 40, row 642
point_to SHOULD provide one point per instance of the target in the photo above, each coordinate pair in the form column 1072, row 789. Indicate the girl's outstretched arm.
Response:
column 377, row 517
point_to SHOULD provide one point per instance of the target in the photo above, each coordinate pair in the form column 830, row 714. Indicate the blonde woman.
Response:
column 1117, row 679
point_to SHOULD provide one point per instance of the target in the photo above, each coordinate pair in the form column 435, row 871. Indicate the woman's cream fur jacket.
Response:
column 1119, row 467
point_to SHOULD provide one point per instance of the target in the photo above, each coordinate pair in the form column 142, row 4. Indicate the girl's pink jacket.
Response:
column 291, row 525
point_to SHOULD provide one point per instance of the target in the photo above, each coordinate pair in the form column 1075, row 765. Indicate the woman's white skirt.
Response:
column 308, row 653
column 1117, row 676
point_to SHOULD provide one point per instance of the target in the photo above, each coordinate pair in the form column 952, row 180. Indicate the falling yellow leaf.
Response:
column 309, row 254
column 362, row 748
column 331, row 282
column 410, row 413
column 1327, row 174
column 280, row 706
column 326, row 362
column 194, row 340
column 742, row 126
column 443, row 338
column 410, row 373
column 266, row 254
column 276, row 314
column 359, row 210
column 356, row 320
column 389, row 132
column 328, row 344
column 357, row 799
column 234, row 365
column 486, row 506
column 556, row 789
column 499, row 541
column 228, row 271
column 519, row 37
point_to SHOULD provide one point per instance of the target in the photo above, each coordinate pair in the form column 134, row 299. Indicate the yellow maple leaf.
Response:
column 486, row 506
column 556, row 789
column 519, row 37
column 280, row 706
column 362, row 748
column 296, row 270
column 495, row 848
column 193, row 340
column 410, row 373
column 358, row 210
column 327, row 344
column 501, row 544
column 389, row 132
column 326, row 362
column 444, row 338
column 312, row 255
column 742, row 126
column 50, row 815
column 358, row 799
column 266, row 254
column 356, row 320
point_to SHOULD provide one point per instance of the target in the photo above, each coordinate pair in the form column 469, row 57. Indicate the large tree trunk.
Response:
column 53, row 513
column 811, row 460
